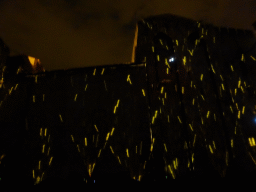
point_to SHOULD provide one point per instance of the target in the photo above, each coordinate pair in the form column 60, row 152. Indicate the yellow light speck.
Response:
column 165, row 147
column 75, row 97
column 33, row 174
column 94, row 71
column 16, row 87
column 202, row 97
column 208, row 114
column 165, row 95
column 214, row 144
column 85, row 141
column 102, row 71
column 232, row 143
column 107, row 137
column 179, row 119
column 158, row 58
column 99, row 153
column 162, row 90
column 153, row 119
column 242, row 59
column 185, row 145
column 86, row 87
column 128, row 79
column 153, row 49
column 167, row 70
column 111, row 149
column 191, row 52
column 253, row 141
column 242, row 89
column 253, row 58
column 194, row 140
column 41, row 131
column 43, row 149
column 184, row 60
column 96, row 128
column 238, row 114
column 190, row 127
column 243, row 109
column 202, row 76
column 231, row 109
column 222, row 86
column 210, row 148
column 182, row 90
column 45, row 131
column 112, row 131
column 202, row 120
column 48, row 151
column 213, row 39
column 156, row 113
column 50, row 161
column 60, row 118
column 127, row 152
column 143, row 92
column 72, row 138
column 39, row 164
column 166, row 63
column 171, row 171
column 212, row 69
column 119, row 159
column 232, row 68
column 235, row 91
column 177, row 42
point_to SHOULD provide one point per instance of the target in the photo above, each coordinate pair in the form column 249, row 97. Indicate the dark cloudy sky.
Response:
column 76, row 33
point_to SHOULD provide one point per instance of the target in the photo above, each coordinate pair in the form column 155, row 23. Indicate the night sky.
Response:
column 74, row 33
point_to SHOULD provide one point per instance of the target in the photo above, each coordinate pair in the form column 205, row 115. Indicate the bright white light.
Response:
column 171, row 59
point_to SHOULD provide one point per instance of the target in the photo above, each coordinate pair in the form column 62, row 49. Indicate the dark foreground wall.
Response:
column 89, row 121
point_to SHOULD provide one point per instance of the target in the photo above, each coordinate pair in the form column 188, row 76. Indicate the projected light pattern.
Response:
column 191, row 105
column 202, row 95
column 99, row 109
